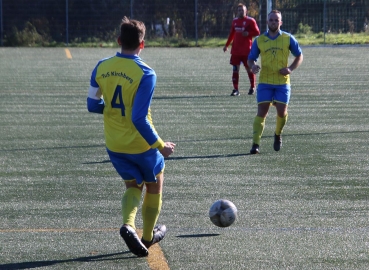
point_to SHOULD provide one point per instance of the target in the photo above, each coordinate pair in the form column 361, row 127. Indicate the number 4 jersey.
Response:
column 127, row 85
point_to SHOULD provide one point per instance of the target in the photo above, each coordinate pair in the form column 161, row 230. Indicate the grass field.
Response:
column 305, row 207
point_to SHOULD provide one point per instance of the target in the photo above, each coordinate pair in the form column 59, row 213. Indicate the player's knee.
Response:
column 281, row 109
column 154, row 188
column 263, row 109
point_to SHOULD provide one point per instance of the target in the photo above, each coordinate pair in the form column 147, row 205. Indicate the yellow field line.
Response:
column 68, row 54
column 156, row 258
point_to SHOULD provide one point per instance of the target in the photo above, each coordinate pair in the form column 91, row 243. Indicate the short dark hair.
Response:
column 276, row 12
column 241, row 5
column 132, row 33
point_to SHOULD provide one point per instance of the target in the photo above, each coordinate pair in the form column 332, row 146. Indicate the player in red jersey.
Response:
column 242, row 31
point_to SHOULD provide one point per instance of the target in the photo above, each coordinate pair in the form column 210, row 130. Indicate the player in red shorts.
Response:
column 242, row 31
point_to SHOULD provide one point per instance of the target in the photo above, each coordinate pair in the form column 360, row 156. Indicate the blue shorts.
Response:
column 142, row 167
column 273, row 93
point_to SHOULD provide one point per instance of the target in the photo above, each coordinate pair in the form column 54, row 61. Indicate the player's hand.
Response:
column 225, row 49
column 285, row 71
column 255, row 69
column 168, row 149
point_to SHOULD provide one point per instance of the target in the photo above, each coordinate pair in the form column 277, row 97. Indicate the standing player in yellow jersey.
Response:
column 121, row 88
column 274, row 47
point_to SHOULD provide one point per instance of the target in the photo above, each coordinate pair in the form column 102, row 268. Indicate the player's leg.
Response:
column 130, row 201
column 235, row 80
column 258, row 126
column 282, row 116
column 282, row 98
column 151, row 207
column 252, row 77
column 133, row 180
column 281, row 120
column 235, row 62
column 263, row 97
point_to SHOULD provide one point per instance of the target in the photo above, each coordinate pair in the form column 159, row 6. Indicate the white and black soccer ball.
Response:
column 223, row 213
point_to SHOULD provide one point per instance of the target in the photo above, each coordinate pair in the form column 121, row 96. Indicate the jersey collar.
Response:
column 130, row 56
column 279, row 33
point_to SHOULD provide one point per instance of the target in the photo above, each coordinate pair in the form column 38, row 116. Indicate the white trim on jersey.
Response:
column 94, row 93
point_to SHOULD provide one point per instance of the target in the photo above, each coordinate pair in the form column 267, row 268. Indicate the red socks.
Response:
column 235, row 77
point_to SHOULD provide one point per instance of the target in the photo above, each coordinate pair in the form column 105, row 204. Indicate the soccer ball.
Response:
column 223, row 213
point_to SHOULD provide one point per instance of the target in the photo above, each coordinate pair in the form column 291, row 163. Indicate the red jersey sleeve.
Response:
column 253, row 28
column 230, row 36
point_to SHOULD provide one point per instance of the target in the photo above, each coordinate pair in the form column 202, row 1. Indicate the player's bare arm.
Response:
column 295, row 64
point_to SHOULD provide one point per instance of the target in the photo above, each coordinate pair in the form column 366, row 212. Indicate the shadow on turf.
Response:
column 198, row 235
column 98, row 162
column 36, row 264
column 176, row 97
column 179, row 158
column 213, row 156
column 193, row 140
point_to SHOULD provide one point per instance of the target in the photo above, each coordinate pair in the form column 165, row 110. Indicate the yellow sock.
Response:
column 150, row 213
column 130, row 202
column 258, row 126
column 280, row 123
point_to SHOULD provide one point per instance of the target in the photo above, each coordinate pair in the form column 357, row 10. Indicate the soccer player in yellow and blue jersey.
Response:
column 274, row 47
column 121, row 88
